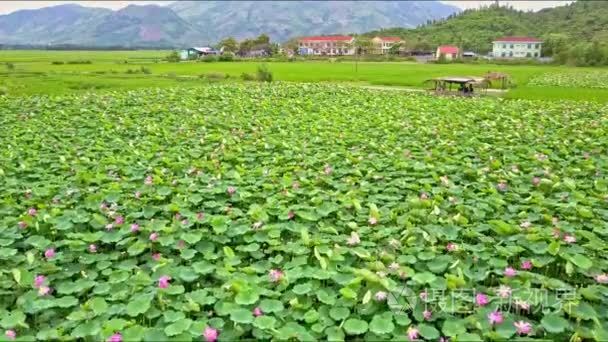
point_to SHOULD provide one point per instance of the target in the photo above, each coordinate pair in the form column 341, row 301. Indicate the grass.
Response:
column 107, row 65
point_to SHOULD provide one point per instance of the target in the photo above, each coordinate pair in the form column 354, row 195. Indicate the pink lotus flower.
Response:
column 443, row 339
column 526, row 265
column 109, row 226
column 515, row 168
column 177, row 216
column 328, row 170
column 541, row 156
column 525, row 225
column 536, row 181
column 502, row 186
column 424, row 196
column 510, row 272
column 32, row 211
column 210, row 334
column 372, row 220
column 231, row 190
column 119, row 220
column 10, row 334
column 117, row 337
column 148, row 180
column 393, row 266
column 28, row 193
column 394, row 243
column 200, row 216
column 380, row 296
column 290, row 215
column 257, row 312
column 523, row 305
column 153, row 236
column 257, row 225
column 602, row 278
column 103, row 206
column 156, row 256
column 556, row 233
column 427, row 314
column 523, row 328
column 39, row 281
column 424, row 295
column 481, row 299
column 353, row 239
column 92, row 248
column 185, row 222
column 451, row 247
column 44, row 290
column 295, row 185
column 134, row 228
column 137, row 194
column 163, row 282
column 554, row 221
column 444, row 180
column 412, row 334
column 495, row 317
column 504, row 291
column 381, row 274
column 22, row 224
column 49, row 253
column 275, row 275
column 569, row 238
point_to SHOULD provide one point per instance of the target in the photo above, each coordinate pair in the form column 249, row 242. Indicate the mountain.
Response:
column 282, row 20
column 560, row 27
column 148, row 25
column 188, row 23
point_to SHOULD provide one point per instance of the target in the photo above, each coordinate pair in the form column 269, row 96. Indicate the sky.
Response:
column 10, row 6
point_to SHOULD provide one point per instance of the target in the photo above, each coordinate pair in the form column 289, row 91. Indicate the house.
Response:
column 197, row 52
column 517, row 47
column 449, row 52
column 383, row 45
column 326, row 45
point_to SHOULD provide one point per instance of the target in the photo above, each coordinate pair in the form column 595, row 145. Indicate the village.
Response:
column 514, row 47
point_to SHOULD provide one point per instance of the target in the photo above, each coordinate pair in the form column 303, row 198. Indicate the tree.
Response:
column 229, row 44
column 262, row 39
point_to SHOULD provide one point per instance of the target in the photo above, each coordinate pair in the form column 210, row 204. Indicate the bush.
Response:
column 57, row 62
column 248, row 77
column 3, row 91
column 10, row 66
column 173, row 57
column 264, row 74
column 227, row 57
column 145, row 70
column 79, row 62
column 209, row 58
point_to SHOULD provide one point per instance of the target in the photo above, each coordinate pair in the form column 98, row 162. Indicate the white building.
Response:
column 327, row 45
column 517, row 47
column 383, row 45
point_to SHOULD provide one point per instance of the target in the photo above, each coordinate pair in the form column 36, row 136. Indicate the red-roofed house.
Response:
column 516, row 47
column 449, row 52
column 327, row 45
column 382, row 45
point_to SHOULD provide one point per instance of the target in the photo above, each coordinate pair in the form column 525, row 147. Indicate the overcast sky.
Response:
column 10, row 6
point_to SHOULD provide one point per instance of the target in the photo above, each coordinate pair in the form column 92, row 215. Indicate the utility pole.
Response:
column 497, row 2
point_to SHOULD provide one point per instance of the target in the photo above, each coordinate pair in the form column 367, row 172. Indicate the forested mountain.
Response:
column 581, row 22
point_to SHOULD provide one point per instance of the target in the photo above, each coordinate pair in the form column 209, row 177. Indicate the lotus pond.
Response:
column 580, row 79
column 303, row 212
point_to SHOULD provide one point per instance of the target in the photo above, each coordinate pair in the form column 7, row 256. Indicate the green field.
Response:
column 304, row 212
column 34, row 73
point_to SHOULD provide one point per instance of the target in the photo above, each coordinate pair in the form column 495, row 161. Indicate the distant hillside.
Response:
column 187, row 23
column 282, row 20
column 148, row 25
column 581, row 21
